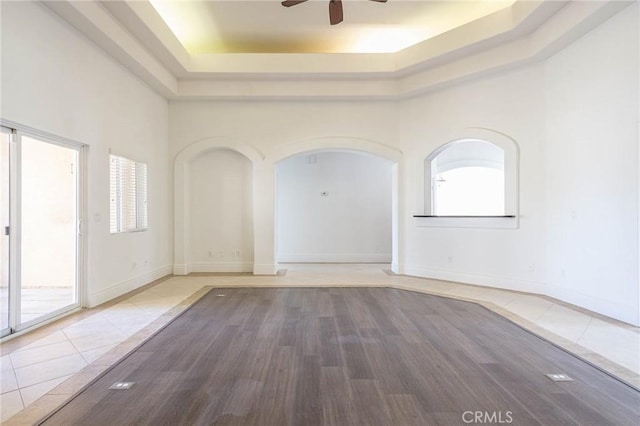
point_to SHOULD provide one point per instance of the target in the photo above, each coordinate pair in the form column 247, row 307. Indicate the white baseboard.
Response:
column 477, row 279
column 628, row 314
column 124, row 287
column 265, row 268
column 221, row 267
column 334, row 258
column 181, row 269
column 256, row 268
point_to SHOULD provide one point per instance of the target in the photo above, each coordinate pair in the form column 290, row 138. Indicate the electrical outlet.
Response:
column 210, row 253
column 531, row 267
column 134, row 265
column 235, row 253
column 450, row 259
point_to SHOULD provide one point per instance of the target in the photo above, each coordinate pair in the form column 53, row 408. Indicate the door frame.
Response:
column 13, row 302
column 17, row 131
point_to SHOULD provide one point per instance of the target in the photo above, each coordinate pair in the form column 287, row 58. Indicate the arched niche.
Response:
column 182, row 202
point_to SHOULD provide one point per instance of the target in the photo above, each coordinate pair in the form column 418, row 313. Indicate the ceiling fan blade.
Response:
column 289, row 3
column 335, row 11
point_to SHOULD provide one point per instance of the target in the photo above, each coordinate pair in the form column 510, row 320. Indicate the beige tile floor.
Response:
column 36, row 302
column 43, row 368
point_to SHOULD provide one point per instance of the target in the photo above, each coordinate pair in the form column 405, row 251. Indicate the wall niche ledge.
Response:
column 489, row 222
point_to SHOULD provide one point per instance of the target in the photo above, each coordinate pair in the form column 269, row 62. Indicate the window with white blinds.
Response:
column 127, row 194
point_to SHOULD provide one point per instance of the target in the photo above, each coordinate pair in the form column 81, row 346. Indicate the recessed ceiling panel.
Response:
column 265, row 26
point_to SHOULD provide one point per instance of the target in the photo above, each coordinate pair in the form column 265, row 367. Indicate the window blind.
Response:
column 127, row 194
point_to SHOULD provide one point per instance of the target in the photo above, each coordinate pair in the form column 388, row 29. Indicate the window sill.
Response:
column 491, row 222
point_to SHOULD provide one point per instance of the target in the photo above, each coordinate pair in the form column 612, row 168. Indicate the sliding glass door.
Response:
column 5, row 223
column 41, row 199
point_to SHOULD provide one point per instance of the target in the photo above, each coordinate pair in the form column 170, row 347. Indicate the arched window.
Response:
column 467, row 179
column 475, row 175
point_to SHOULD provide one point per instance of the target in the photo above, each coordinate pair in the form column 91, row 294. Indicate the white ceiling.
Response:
column 265, row 26
column 258, row 49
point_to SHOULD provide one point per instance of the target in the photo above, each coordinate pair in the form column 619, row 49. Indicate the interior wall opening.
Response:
column 334, row 206
column 467, row 179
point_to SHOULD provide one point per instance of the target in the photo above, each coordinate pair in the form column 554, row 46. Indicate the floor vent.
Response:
column 559, row 377
column 122, row 385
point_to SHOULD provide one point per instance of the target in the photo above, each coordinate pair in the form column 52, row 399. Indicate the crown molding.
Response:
column 529, row 31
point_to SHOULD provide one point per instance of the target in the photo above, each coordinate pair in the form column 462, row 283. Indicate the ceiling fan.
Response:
column 335, row 8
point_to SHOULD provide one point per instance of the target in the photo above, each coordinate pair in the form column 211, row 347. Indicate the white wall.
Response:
column 591, row 164
column 334, row 207
column 509, row 103
column 574, row 117
column 221, row 206
column 54, row 80
column 271, row 127
column 269, row 132
column 578, row 234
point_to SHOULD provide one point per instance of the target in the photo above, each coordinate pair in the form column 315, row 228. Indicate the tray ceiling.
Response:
column 238, row 49
column 205, row 27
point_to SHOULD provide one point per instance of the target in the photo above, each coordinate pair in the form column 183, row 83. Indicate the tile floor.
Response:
column 43, row 368
column 36, row 302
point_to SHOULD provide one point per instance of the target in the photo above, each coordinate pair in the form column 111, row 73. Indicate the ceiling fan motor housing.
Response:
column 335, row 8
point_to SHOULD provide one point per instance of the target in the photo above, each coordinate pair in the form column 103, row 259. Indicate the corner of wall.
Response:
column 265, row 268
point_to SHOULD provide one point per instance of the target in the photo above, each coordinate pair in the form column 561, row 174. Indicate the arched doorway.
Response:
column 334, row 207
column 264, row 218
column 356, row 148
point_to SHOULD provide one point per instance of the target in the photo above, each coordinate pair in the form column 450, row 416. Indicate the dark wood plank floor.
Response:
column 347, row 356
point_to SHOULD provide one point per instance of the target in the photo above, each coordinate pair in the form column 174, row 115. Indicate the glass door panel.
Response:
column 49, row 229
column 4, row 230
column 39, row 238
